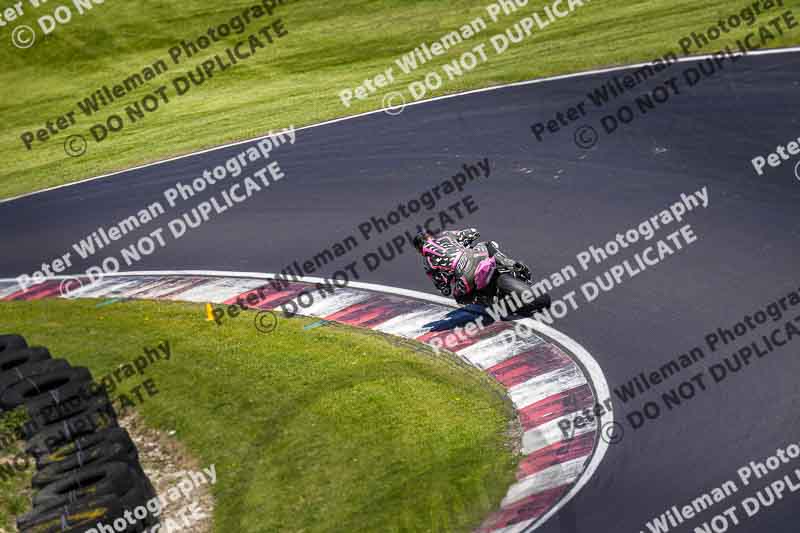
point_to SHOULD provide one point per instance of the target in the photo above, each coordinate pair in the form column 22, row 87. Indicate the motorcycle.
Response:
column 499, row 277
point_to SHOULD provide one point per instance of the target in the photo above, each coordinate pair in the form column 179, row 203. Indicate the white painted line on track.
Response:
column 367, row 113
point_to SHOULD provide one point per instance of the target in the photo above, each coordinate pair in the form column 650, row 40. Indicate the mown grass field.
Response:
column 325, row 429
column 330, row 46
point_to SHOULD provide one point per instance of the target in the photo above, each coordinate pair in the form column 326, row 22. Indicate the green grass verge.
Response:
column 326, row 429
column 330, row 46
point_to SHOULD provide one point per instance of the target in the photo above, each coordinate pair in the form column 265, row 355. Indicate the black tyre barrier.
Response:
column 12, row 342
column 88, row 467
column 104, row 452
column 37, row 387
column 134, row 497
column 111, row 435
column 54, row 436
column 15, row 375
column 11, row 359
column 76, row 513
column 46, row 413
column 115, row 479
column 76, row 517
column 72, row 392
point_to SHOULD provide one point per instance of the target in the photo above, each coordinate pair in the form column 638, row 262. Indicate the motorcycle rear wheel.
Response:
column 508, row 285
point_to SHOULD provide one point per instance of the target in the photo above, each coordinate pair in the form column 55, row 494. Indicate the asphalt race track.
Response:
column 544, row 202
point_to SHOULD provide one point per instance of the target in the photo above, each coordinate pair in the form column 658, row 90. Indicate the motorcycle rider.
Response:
column 467, row 271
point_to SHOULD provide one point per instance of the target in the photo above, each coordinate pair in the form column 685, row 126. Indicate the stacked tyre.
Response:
column 87, row 467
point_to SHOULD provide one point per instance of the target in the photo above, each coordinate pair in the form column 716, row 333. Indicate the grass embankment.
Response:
column 325, row 429
column 330, row 46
